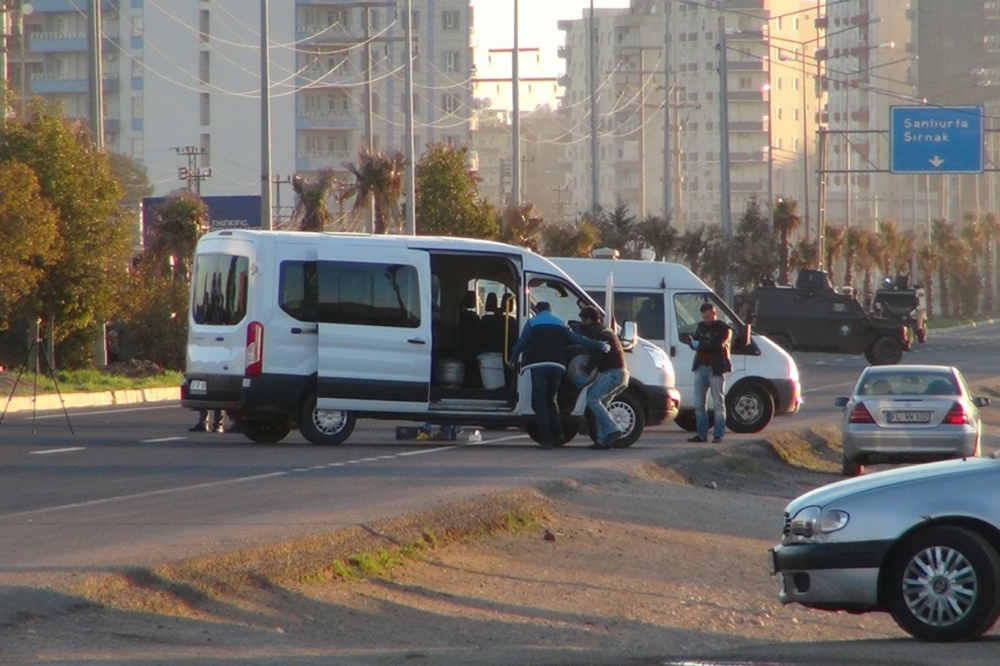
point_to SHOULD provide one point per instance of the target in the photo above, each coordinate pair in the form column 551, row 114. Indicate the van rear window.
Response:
column 219, row 289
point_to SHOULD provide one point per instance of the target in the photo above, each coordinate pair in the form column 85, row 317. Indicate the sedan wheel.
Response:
column 944, row 585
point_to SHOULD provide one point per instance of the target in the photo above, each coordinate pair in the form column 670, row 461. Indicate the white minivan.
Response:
column 314, row 330
column 663, row 299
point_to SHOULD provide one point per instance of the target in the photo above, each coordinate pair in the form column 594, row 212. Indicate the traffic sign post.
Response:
column 936, row 139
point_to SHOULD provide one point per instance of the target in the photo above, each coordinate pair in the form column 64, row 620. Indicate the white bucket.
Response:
column 491, row 369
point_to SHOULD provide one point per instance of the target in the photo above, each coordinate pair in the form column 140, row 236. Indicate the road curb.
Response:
column 52, row 401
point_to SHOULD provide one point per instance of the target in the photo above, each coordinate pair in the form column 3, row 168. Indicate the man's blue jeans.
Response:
column 704, row 381
column 607, row 385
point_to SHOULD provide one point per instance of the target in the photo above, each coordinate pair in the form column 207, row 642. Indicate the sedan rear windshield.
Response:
column 909, row 383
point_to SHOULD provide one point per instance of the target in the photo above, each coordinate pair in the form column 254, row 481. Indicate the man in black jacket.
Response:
column 612, row 376
column 711, row 343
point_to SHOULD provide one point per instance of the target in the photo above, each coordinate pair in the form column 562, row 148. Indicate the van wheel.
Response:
column 568, row 431
column 749, row 408
column 886, row 350
column 324, row 427
column 269, row 431
column 627, row 412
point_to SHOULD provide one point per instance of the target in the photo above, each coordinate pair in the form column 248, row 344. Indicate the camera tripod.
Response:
column 39, row 347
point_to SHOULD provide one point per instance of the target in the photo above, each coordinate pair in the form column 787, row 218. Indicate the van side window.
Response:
column 219, row 289
column 368, row 294
column 687, row 310
column 297, row 289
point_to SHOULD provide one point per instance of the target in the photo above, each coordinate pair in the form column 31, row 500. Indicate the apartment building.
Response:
column 770, row 88
column 182, row 81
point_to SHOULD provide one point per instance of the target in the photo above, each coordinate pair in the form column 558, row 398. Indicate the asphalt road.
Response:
column 130, row 486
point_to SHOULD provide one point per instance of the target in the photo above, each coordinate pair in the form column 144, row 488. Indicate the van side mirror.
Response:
column 628, row 335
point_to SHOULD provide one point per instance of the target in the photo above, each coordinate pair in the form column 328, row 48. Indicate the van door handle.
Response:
column 417, row 341
column 299, row 331
column 673, row 351
column 220, row 339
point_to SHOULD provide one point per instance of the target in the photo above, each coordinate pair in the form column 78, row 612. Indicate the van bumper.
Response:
column 663, row 404
column 246, row 396
column 789, row 394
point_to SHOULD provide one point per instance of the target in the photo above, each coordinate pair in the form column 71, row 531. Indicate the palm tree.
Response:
column 853, row 238
column 944, row 240
column 378, row 183
column 803, row 255
column 927, row 264
column 991, row 232
column 786, row 221
column 833, row 245
column 519, row 225
column 689, row 247
column 871, row 252
column 311, row 212
column 177, row 224
column 657, row 234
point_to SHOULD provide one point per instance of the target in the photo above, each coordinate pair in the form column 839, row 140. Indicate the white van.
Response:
column 313, row 330
column 663, row 299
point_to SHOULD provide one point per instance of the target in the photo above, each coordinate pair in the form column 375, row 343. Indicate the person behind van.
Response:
column 612, row 376
column 711, row 363
column 544, row 343
column 203, row 424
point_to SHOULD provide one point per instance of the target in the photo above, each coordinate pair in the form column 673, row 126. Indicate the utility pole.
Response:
column 516, row 119
column 668, row 184
column 726, row 204
column 369, row 108
column 95, row 71
column 410, row 184
column 193, row 175
column 595, row 165
column 265, row 123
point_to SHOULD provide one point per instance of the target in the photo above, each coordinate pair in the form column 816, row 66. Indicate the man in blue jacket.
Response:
column 544, row 343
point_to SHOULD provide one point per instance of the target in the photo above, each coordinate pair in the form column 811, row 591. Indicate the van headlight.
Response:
column 813, row 520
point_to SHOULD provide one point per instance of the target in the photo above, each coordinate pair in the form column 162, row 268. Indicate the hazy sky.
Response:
column 494, row 26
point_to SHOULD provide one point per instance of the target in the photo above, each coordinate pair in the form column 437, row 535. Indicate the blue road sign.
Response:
column 936, row 139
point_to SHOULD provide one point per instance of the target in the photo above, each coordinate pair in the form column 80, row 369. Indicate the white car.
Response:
column 909, row 413
column 921, row 542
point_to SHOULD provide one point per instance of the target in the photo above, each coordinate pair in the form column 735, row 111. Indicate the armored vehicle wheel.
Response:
column 885, row 350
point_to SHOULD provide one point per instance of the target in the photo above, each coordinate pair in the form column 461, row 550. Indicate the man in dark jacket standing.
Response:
column 711, row 343
column 612, row 376
column 544, row 343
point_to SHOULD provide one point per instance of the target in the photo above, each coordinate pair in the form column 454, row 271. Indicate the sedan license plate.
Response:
column 908, row 417
column 199, row 386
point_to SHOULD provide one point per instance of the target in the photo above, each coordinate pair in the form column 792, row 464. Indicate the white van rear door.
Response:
column 374, row 314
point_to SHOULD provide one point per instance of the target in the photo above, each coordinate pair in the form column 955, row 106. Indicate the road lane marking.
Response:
column 226, row 482
column 161, row 439
column 75, row 414
column 65, row 450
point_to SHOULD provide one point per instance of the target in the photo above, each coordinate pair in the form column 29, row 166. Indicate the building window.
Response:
column 203, row 25
column 136, row 65
column 206, row 108
column 415, row 14
column 137, row 26
column 138, row 149
column 373, row 20
column 450, row 20
column 450, row 103
column 203, row 67
column 137, row 107
column 451, row 61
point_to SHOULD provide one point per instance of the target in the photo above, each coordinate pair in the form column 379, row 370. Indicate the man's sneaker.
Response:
column 698, row 439
column 219, row 428
column 613, row 437
column 599, row 447
column 717, row 439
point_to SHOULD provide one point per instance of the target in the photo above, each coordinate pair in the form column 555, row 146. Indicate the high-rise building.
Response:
column 182, row 81
column 770, row 88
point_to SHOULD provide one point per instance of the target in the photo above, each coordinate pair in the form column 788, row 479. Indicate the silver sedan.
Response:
column 920, row 542
column 909, row 413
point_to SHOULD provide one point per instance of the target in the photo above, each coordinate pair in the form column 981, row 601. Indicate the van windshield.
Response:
column 219, row 289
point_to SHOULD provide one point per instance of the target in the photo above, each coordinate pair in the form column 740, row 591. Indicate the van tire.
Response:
column 324, row 427
column 685, row 419
column 268, row 431
column 625, row 407
column 749, row 408
column 568, row 432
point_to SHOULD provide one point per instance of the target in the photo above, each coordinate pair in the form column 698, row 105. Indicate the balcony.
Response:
column 317, row 160
column 49, row 83
column 310, row 120
column 745, row 35
column 746, row 96
column 754, row 157
column 58, row 42
column 339, row 76
column 744, row 66
column 748, row 126
column 68, row 5
column 327, row 34
column 563, row 51
column 862, row 115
